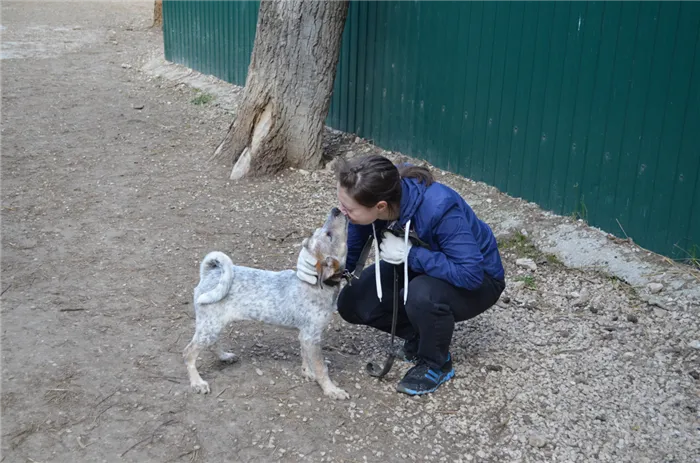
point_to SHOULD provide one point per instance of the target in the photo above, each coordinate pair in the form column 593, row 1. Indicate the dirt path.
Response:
column 107, row 209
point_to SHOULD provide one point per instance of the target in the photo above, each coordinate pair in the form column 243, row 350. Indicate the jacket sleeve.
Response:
column 357, row 237
column 459, row 260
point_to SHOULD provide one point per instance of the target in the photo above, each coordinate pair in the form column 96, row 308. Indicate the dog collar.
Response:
column 335, row 280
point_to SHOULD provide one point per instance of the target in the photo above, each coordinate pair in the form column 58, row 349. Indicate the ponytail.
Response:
column 421, row 174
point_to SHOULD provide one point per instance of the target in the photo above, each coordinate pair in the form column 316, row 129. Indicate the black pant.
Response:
column 431, row 311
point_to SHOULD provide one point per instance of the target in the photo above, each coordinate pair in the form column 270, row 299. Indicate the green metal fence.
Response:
column 582, row 107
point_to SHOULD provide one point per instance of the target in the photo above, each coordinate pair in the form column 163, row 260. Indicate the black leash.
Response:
column 373, row 368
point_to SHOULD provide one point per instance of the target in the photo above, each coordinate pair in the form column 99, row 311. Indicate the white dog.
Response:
column 227, row 293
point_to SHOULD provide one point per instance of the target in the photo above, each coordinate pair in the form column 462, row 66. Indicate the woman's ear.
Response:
column 382, row 206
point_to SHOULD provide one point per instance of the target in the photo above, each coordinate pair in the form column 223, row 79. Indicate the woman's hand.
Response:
column 393, row 249
column 306, row 267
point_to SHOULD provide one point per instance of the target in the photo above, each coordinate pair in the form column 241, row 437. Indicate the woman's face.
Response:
column 357, row 213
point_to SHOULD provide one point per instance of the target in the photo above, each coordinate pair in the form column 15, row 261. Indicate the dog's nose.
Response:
column 335, row 212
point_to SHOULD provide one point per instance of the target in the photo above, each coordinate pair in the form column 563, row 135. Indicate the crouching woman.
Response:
column 448, row 257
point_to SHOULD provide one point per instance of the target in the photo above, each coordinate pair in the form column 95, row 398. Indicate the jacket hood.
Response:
column 411, row 198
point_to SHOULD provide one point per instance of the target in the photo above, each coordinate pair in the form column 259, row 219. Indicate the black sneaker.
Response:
column 421, row 379
column 409, row 351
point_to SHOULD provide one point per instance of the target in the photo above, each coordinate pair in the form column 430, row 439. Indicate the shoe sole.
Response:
column 447, row 377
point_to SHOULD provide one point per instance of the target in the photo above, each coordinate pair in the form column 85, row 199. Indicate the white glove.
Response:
column 393, row 249
column 306, row 267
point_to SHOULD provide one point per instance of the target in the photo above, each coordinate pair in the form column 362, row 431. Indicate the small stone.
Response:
column 582, row 299
column 694, row 374
column 536, row 441
column 677, row 285
column 523, row 232
column 138, row 106
column 259, row 371
column 526, row 263
column 594, row 309
column 357, row 386
column 695, row 344
column 303, row 172
column 514, row 364
column 196, row 447
column 655, row 288
column 632, row 318
column 481, row 454
column 628, row 355
column 654, row 300
column 506, row 299
column 494, row 368
column 601, row 418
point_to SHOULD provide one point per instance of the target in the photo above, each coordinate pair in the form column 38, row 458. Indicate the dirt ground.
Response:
column 108, row 205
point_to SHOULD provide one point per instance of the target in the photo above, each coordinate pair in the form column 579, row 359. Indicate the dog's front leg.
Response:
column 306, row 371
column 311, row 352
column 223, row 354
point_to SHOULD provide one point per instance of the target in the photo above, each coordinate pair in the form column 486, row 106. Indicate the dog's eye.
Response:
column 329, row 235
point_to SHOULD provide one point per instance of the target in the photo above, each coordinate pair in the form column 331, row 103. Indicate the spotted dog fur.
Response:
column 228, row 293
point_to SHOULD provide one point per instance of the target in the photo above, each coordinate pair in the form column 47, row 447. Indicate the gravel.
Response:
column 572, row 365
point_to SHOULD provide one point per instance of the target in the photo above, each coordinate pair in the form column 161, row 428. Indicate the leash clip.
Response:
column 349, row 276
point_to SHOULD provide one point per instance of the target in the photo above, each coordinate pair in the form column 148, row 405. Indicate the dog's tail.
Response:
column 213, row 261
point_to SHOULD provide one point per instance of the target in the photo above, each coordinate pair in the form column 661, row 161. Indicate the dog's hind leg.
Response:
column 190, row 355
column 311, row 351
column 206, row 334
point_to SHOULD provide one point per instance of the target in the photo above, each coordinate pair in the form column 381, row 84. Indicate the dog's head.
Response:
column 329, row 245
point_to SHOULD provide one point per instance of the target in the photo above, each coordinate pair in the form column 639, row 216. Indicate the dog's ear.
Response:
column 327, row 268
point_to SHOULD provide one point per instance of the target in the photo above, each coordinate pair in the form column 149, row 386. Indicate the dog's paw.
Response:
column 306, row 373
column 228, row 357
column 336, row 393
column 201, row 387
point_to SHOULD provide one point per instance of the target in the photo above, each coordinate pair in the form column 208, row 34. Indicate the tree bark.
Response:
column 288, row 88
column 157, row 13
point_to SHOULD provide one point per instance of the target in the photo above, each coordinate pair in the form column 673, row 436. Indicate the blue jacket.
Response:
column 461, row 247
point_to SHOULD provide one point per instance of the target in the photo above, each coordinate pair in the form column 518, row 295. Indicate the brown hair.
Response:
column 374, row 178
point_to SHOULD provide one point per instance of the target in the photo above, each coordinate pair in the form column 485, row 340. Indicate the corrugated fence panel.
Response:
column 212, row 37
column 590, row 108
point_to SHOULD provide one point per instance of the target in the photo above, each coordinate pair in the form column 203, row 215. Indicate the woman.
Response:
column 450, row 260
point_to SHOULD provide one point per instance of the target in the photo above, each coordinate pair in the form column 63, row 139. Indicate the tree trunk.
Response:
column 288, row 88
column 157, row 13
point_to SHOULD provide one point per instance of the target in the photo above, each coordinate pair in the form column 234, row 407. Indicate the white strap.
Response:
column 405, row 264
column 377, row 274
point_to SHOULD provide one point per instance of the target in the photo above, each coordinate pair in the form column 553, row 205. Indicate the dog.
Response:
column 228, row 293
